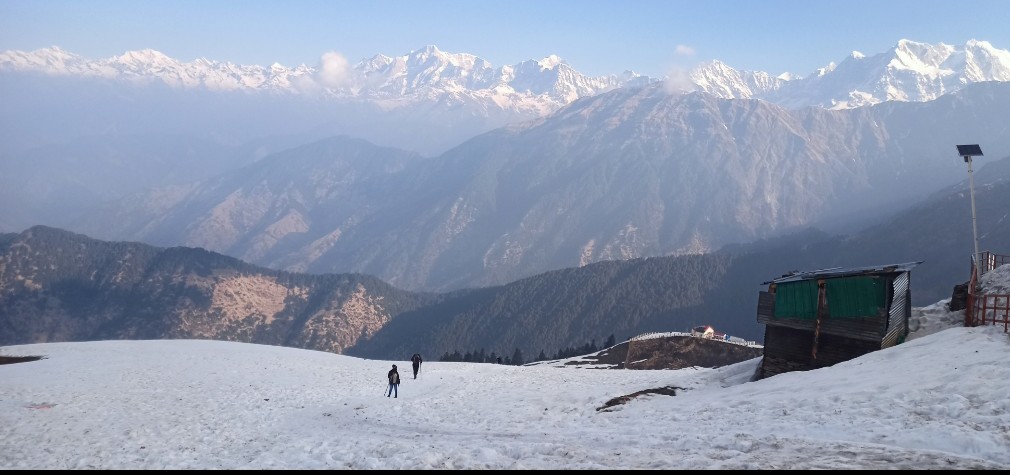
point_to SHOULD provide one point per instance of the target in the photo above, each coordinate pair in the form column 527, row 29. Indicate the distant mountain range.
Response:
column 426, row 100
column 910, row 71
column 423, row 75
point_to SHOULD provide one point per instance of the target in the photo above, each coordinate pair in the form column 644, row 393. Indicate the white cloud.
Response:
column 305, row 85
column 678, row 81
column 334, row 70
column 684, row 50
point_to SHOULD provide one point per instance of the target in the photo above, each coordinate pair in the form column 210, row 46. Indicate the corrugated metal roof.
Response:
column 844, row 272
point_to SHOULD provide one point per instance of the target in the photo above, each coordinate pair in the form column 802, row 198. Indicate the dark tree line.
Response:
column 517, row 358
column 482, row 357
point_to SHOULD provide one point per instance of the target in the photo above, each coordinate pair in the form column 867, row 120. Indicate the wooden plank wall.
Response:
column 788, row 349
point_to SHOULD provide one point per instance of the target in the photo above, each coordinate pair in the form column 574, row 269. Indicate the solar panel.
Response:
column 972, row 150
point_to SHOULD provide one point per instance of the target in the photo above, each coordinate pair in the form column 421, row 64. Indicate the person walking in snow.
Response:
column 415, row 361
column 394, row 382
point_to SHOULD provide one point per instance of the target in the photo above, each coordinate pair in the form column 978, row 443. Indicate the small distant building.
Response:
column 818, row 318
column 705, row 331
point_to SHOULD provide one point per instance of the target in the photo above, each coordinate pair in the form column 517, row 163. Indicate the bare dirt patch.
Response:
column 19, row 359
column 666, row 391
column 672, row 352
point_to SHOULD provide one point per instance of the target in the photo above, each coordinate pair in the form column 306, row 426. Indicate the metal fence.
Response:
column 987, row 308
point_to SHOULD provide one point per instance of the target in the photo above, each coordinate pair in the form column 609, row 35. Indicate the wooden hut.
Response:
column 818, row 318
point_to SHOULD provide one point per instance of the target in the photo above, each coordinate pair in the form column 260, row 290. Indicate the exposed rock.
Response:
column 959, row 299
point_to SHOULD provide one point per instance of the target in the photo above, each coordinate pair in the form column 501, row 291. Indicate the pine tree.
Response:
column 517, row 357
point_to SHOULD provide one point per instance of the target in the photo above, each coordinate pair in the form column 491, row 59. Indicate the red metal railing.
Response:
column 986, row 308
column 991, row 310
column 991, row 261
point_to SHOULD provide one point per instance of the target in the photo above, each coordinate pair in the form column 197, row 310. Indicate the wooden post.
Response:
column 822, row 303
column 627, row 357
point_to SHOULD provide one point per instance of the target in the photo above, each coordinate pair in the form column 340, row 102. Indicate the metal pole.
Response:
column 974, row 228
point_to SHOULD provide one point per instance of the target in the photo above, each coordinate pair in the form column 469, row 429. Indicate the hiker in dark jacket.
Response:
column 394, row 382
column 415, row 361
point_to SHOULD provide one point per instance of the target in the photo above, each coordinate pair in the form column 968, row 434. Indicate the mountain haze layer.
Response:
column 626, row 174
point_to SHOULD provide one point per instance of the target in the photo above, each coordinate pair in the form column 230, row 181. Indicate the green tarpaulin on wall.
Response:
column 853, row 297
column 848, row 297
column 796, row 300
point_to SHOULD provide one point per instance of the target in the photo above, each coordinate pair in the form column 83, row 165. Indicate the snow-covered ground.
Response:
column 939, row 400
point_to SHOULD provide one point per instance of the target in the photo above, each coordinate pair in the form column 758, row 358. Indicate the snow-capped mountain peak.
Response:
column 144, row 56
column 53, row 60
column 910, row 71
column 922, row 58
column 428, row 50
column 144, row 61
column 718, row 78
column 825, row 70
column 428, row 53
column 983, row 62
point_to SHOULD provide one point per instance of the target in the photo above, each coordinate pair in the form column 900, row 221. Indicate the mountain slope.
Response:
column 273, row 204
column 58, row 286
column 564, row 308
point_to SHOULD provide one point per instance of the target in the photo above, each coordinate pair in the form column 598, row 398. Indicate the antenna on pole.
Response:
column 968, row 151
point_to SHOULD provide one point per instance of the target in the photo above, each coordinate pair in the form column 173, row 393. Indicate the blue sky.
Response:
column 594, row 36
